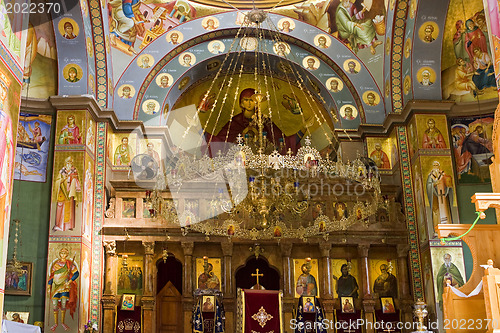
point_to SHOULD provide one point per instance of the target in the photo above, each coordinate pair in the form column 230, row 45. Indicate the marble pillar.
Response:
column 108, row 299
column 187, row 287
column 227, row 286
column 368, row 302
column 148, row 300
column 326, row 271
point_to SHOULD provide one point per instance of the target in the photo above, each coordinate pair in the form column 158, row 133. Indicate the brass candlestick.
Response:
column 420, row 312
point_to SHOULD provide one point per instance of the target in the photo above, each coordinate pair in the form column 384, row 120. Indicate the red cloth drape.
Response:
column 262, row 311
column 347, row 322
column 129, row 321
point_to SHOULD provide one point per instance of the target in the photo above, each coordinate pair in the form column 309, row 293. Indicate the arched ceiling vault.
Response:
column 165, row 57
column 405, row 54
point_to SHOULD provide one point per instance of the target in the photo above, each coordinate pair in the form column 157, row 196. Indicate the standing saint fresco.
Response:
column 432, row 136
column 380, row 157
column 62, row 287
column 123, row 153
column 440, row 194
column 448, row 273
column 70, row 133
column 67, row 186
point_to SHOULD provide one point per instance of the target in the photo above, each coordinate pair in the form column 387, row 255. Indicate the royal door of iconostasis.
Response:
column 169, row 316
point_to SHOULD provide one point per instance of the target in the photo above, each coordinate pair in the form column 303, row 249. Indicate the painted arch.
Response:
column 163, row 58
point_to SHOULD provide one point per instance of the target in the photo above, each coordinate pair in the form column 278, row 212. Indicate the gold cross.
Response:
column 257, row 275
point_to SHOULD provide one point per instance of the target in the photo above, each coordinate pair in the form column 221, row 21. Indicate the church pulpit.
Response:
column 459, row 312
column 491, row 285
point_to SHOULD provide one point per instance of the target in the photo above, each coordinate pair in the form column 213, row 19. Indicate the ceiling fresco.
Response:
column 399, row 51
column 465, row 30
column 40, row 63
column 367, row 41
column 166, row 56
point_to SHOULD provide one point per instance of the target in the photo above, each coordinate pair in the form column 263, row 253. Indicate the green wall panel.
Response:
column 466, row 208
column 31, row 205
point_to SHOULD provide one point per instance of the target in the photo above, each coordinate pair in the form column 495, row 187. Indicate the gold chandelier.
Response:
column 263, row 195
column 264, row 188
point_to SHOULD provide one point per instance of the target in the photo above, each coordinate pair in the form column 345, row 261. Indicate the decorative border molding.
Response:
column 10, row 63
column 99, row 52
column 409, row 203
column 397, row 55
column 97, row 268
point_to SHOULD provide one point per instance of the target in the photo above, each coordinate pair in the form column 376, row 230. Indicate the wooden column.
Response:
column 404, row 283
column 326, row 276
column 149, row 251
column 228, row 286
column 187, row 287
column 286, row 252
column 108, row 299
column 288, row 289
column 363, row 268
column 148, row 300
column 227, row 251
column 405, row 299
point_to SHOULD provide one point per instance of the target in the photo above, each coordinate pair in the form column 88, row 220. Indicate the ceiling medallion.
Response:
column 257, row 16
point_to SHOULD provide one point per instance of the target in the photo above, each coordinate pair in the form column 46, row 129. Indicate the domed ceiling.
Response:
column 372, row 56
